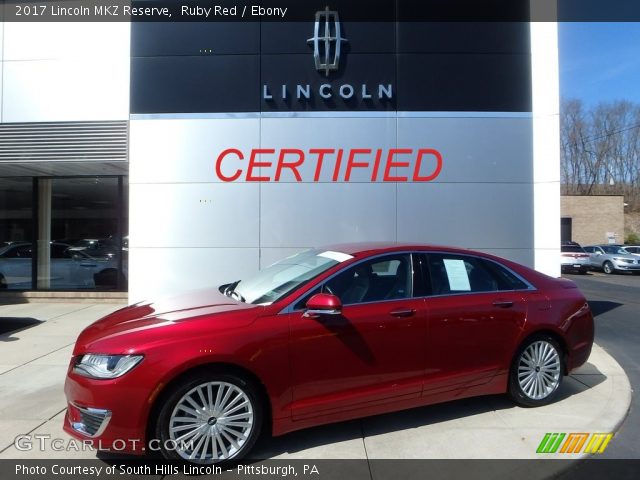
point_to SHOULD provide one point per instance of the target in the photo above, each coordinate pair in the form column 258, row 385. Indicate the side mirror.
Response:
column 323, row 304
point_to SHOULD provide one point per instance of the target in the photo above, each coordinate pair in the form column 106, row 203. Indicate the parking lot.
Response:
column 615, row 301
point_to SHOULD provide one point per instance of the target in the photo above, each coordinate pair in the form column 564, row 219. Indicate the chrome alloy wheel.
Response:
column 539, row 370
column 211, row 422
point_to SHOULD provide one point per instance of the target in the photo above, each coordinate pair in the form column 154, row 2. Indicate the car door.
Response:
column 597, row 256
column 373, row 352
column 475, row 313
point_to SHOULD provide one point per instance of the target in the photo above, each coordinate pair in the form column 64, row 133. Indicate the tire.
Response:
column 529, row 386
column 180, row 415
column 607, row 267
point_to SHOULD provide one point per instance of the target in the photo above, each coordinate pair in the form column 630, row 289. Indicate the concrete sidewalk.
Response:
column 33, row 364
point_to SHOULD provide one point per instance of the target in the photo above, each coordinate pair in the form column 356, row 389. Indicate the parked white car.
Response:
column 574, row 258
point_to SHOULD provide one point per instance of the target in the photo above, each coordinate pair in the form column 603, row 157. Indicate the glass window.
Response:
column 383, row 278
column 83, row 236
column 16, row 232
column 452, row 273
column 506, row 279
column 283, row 277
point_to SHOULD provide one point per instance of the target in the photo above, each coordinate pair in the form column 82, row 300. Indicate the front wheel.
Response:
column 607, row 268
column 536, row 372
column 210, row 418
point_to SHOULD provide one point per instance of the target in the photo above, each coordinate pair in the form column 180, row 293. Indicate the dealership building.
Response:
column 157, row 157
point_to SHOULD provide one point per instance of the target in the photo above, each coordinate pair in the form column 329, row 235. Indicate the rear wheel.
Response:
column 536, row 371
column 607, row 267
column 210, row 418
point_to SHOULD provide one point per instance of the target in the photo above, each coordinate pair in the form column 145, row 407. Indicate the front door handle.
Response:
column 404, row 312
column 503, row 304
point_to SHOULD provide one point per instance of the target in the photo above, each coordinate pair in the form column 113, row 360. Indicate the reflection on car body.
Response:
column 322, row 336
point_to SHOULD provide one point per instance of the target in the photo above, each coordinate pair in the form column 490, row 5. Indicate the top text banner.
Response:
column 298, row 10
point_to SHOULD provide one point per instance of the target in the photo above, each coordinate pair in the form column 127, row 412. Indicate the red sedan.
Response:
column 326, row 335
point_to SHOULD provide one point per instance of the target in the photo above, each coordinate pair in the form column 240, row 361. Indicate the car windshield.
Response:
column 615, row 250
column 277, row 280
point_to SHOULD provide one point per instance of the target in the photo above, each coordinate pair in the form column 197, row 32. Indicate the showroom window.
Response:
column 64, row 233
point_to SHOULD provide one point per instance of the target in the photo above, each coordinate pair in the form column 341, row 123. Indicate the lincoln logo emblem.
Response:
column 326, row 41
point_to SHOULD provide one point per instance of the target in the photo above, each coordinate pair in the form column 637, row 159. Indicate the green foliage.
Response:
column 632, row 239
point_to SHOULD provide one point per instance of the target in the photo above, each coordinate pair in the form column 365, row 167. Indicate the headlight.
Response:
column 94, row 365
column 624, row 260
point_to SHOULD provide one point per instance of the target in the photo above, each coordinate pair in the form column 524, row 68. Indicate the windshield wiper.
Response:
column 230, row 291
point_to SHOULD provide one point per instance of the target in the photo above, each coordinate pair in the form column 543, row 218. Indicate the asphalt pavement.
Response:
column 615, row 301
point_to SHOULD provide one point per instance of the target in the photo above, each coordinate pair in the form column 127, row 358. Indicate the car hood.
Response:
column 145, row 317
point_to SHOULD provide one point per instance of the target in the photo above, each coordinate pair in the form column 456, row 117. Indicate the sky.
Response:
column 600, row 62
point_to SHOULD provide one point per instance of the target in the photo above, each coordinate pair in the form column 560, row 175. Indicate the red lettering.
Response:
column 376, row 165
column 236, row 175
column 353, row 164
column 253, row 163
column 291, row 165
column 390, row 164
column 320, row 152
column 336, row 170
column 436, row 172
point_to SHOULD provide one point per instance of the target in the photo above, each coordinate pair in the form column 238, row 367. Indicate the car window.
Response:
column 451, row 273
column 615, row 250
column 506, row 279
column 571, row 248
column 382, row 278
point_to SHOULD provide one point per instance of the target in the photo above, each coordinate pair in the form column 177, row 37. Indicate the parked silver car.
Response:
column 612, row 258
column 632, row 249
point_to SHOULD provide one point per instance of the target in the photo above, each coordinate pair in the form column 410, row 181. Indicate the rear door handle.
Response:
column 503, row 303
column 405, row 312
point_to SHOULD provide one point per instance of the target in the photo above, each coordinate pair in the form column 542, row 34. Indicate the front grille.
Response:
column 90, row 421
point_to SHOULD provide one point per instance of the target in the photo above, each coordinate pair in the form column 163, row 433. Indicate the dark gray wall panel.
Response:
column 167, row 38
column 464, row 82
column 463, row 37
column 195, row 84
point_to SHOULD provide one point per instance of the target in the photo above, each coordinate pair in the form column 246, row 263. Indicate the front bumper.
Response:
column 107, row 414
column 626, row 267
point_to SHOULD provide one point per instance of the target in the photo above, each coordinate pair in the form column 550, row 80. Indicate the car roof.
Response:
column 363, row 248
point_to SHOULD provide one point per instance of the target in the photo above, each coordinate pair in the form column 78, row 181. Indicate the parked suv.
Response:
column 632, row 249
column 573, row 258
column 612, row 258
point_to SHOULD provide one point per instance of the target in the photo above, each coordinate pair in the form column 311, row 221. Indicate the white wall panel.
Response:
column 525, row 256
column 159, row 272
column 63, row 90
column 64, row 40
column 185, row 150
column 472, row 149
column 546, row 145
column 194, row 215
column 329, row 133
column 298, row 214
column 477, row 215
